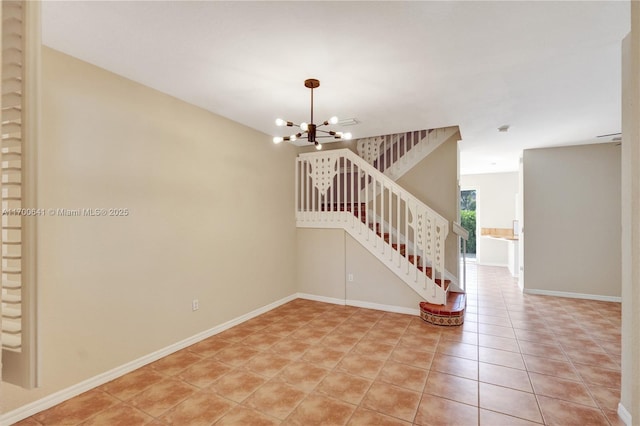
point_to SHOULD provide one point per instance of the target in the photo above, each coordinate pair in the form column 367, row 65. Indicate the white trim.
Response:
column 573, row 295
column 360, row 304
column 381, row 307
column 49, row 401
column 324, row 299
column 624, row 414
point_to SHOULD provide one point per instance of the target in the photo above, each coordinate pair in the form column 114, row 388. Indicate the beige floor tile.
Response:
column 237, row 385
column 77, row 409
column 276, row 399
column 119, row 415
column 200, row 409
column 392, row 401
column 436, row 411
column 510, row 401
column 344, row 387
column 159, row 398
column 364, row 417
column 452, row 387
column 563, row 413
column 318, row 409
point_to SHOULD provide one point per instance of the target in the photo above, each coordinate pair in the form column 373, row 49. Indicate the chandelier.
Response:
column 310, row 129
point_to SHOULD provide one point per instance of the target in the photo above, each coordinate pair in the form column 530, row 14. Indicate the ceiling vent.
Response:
column 348, row 122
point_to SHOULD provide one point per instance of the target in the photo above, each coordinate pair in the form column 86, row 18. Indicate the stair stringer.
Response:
column 420, row 151
column 454, row 284
column 419, row 282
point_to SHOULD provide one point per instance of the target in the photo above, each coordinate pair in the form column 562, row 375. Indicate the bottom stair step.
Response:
column 450, row 314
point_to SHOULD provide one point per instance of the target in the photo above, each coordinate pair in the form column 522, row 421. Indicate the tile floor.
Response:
column 517, row 360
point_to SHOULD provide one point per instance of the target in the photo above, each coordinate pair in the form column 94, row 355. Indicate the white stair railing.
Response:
column 339, row 189
column 396, row 154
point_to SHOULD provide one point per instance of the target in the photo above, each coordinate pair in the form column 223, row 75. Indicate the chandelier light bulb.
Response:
column 310, row 129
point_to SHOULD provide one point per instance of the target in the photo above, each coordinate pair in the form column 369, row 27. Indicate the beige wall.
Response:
column 210, row 217
column 373, row 282
column 572, row 219
column 630, row 392
column 495, row 208
column 434, row 181
column 320, row 266
column 326, row 257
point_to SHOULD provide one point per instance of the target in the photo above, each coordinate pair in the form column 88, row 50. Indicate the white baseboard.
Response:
column 325, row 299
column 361, row 304
column 49, row 401
column 624, row 414
column 573, row 295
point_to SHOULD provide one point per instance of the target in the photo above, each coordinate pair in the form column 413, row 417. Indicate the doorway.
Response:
column 468, row 220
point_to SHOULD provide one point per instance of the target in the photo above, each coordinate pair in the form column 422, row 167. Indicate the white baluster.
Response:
column 374, row 184
column 306, row 192
column 366, row 202
column 398, row 228
column 382, row 213
column 390, row 220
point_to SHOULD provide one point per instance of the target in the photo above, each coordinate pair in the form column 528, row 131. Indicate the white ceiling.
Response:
column 550, row 70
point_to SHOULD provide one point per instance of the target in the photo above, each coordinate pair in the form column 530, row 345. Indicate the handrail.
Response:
column 347, row 153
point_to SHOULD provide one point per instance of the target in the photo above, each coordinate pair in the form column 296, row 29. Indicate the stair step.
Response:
column 402, row 248
column 428, row 270
column 450, row 314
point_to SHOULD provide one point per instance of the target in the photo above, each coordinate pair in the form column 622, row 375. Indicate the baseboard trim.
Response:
column 573, row 295
column 324, row 299
column 55, row 398
column 624, row 414
column 361, row 304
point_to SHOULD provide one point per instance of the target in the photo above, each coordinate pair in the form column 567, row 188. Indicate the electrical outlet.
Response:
column 350, row 277
column 195, row 305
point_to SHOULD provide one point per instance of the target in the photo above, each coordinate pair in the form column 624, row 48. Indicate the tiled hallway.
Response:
column 517, row 360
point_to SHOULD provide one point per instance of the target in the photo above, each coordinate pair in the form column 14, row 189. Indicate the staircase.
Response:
column 339, row 189
column 396, row 154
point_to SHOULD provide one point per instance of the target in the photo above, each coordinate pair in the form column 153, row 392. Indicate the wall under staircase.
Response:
column 326, row 259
